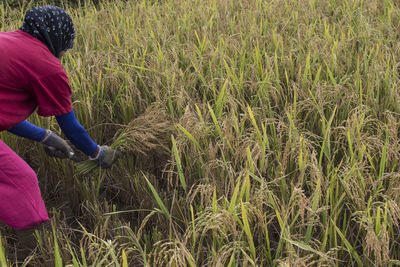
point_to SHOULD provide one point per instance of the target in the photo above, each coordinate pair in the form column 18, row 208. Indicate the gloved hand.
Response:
column 106, row 156
column 57, row 147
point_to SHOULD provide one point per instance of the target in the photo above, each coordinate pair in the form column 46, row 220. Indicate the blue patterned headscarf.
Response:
column 52, row 26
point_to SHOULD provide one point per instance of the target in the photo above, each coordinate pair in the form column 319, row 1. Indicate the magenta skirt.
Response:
column 21, row 204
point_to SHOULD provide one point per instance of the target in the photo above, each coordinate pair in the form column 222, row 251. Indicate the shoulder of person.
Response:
column 37, row 60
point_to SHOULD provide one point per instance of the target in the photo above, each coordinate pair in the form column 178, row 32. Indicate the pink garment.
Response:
column 30, row 77
column 21, row 204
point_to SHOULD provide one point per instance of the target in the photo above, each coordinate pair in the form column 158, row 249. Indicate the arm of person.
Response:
column 28, row 130
column 70, row 127
column 55, row 145
column 77, row 134
column 105, row 156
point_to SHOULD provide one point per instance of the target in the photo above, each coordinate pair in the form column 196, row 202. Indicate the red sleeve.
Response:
column 53, row 95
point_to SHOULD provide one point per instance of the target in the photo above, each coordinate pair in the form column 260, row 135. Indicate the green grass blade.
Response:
column 157, row 198
column 233, row 202
column 350, row 248
column 247, row 230
column 57, row 256
column 178, row 163
column 3, row 260
column 124, row 259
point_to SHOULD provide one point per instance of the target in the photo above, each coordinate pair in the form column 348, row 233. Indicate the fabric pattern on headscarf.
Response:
column 52, row 26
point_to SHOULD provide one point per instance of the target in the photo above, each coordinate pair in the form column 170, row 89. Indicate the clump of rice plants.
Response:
column 147, row 134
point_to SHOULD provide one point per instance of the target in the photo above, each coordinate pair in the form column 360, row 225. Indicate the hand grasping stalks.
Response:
column 148, row 133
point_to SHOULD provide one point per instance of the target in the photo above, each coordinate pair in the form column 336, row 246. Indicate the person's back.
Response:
column 22, row 55
column 24, row 62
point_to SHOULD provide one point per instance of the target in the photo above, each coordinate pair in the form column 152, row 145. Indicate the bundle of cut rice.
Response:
column 148, row 133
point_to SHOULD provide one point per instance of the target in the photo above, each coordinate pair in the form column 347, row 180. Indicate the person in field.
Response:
column 32, row 78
